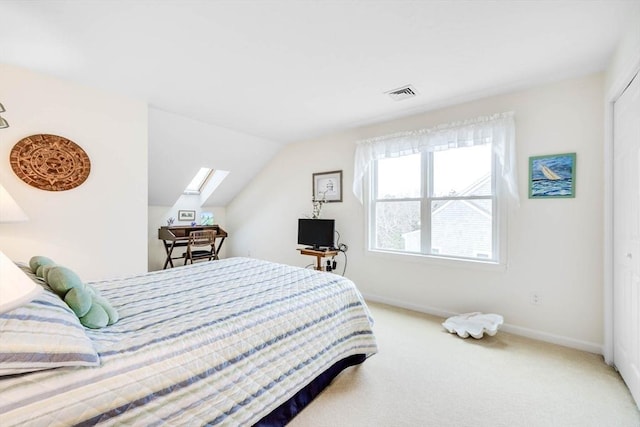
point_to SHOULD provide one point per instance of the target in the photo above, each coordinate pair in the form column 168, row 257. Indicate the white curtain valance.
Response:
column 498, row 130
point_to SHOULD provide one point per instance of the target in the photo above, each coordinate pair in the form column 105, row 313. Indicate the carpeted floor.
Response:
column 423, row 376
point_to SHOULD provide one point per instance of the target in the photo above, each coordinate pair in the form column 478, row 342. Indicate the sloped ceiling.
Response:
column 179, row 146
column 285, row 71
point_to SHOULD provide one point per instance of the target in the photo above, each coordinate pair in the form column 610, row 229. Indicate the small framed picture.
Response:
column 206, row 218
column 186, row 215
column 327, row 186
column 552, row 176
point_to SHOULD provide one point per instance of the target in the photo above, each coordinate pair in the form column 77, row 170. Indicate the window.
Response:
column 441, row 191
column 440, row 203
column 198, row 181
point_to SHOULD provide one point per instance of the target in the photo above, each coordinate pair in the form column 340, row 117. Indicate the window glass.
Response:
column 462, row 171
column 399, row 177
column 462, row 228
column 398, row 226
column 195, row 186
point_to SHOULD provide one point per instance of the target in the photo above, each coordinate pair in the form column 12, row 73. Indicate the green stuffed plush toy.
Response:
column 62, row 280
column 45, row 270
column 37, row 264
column 100, row 314
column 92, row 309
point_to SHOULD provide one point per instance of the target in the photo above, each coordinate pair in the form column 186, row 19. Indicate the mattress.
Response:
column 214, row 343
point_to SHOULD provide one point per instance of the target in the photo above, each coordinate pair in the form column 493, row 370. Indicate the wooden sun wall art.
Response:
column 50, row 162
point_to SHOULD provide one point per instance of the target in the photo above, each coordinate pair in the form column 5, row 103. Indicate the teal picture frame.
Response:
column 552, row 176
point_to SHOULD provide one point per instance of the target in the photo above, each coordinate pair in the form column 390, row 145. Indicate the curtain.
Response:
column 498, row 130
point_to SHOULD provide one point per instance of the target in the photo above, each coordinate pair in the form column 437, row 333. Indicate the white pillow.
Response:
column 43, row 334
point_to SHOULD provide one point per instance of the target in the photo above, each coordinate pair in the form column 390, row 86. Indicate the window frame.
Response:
column 198, row 181
column 499, row 226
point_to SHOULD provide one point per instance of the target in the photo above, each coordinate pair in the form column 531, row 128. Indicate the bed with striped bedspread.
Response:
column 215, row 343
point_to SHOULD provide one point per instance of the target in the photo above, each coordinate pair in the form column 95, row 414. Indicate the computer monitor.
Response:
column 316, row 233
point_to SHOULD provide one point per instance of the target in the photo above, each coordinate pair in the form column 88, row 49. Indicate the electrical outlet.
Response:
column 535, row 298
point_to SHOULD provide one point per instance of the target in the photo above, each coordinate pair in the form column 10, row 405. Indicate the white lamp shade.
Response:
column 16, row 288
column 9, row 209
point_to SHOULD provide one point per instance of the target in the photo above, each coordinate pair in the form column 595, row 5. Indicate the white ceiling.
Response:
column 292, row 70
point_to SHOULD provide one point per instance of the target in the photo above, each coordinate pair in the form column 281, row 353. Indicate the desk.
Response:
column 177, row 236
column 319, row 255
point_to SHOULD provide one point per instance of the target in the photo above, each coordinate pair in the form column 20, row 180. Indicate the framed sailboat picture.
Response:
column 552, row 176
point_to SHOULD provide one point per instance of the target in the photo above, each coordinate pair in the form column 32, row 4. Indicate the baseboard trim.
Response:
column 413, row 307
column 554, row 339
column 512, row 329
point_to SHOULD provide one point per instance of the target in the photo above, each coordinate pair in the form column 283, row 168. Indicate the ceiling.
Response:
column 285, row 71
column 293, row 70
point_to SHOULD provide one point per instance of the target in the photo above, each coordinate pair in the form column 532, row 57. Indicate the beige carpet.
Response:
column 423, row 376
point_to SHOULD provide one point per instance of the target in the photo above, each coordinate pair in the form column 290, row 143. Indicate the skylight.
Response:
column 198, row 181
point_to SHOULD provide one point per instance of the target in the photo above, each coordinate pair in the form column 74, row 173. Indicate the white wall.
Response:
column 554, row 246
column 98, row 229
column 625, row 59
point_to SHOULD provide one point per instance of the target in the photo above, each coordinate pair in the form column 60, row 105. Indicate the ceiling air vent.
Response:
column 403, row 92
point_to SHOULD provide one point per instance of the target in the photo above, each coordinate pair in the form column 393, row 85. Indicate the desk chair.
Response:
column 199, row 239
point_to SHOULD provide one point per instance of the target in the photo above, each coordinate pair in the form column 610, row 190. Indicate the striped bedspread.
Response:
column 216, row 343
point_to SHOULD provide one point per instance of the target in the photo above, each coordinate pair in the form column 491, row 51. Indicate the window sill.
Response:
column 439, row 261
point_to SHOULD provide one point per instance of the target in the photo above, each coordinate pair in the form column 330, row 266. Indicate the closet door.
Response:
column 626, row 236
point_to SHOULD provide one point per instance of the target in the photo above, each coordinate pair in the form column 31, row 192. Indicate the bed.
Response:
column 237, row 341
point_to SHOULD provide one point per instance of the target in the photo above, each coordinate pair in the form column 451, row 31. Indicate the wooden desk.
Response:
column 177, row 236
column 319, row 255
